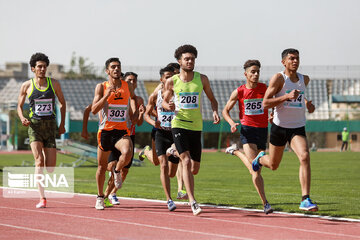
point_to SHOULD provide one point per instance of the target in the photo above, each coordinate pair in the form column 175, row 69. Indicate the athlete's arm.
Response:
column 149, row 108
column 209, row 93
column 275, row 85
column 85, row 133
column 100, row 97
column 140, row 103
column 62, row 104
column 226, row 111
column 168, row 93
column 21, row 101
column 308, row 103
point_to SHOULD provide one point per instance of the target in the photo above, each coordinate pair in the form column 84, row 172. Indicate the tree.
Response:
column 80, row 69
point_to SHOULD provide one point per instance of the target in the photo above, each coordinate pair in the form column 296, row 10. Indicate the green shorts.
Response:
column 43, row 131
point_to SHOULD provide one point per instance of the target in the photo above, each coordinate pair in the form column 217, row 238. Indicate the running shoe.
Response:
column 268, row 209
column 308, row 205
column 99, row 205
column 182, row 195
column 117, row 179
column 195, row 208
column 142, row 153
column 114, row 200
column 231, row 149
column 255, row 163
column 107, row 202
column 42, row 203
column 171, row 205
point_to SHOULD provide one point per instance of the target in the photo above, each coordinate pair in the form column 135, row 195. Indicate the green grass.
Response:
column 223, row 180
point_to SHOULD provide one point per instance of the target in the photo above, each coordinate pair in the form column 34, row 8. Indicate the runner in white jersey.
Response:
column 163, row 136
column 286, row 93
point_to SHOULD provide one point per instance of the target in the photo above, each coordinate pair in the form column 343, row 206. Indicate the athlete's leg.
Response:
column 50, row 159
column 151, row 154
column 36, row 148
column 300, row 147
column 164, row 175
column 124, row 145
column 173, row 168
column 110, row 185
column 102, row 157
column 179, row 177
column 188, row 177
column 251, row 152
column 272, row 160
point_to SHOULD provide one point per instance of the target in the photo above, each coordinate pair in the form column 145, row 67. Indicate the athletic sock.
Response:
column 305, row 197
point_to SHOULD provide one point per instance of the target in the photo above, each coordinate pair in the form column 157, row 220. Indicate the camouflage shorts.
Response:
column 43, row 131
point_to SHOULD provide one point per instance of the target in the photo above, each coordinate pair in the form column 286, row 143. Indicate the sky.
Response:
column 147, row 32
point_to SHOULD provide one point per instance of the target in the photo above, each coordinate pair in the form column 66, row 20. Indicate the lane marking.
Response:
column 131, row 223
column 47, row 232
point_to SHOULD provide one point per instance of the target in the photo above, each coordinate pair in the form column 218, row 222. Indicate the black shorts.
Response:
column 108, row 139
column 279, row 135
column 188, row 140
column 163, row 140
column 115, row 154
column 254, row 135
column 153, row 132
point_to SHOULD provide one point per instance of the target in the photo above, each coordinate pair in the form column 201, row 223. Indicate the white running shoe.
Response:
column 231, row 149
column 114, row 200
column 41, row 204
column 99, row 205
column 195, row 208
column 117, row 179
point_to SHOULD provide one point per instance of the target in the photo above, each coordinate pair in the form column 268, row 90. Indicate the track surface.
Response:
column 76, row 218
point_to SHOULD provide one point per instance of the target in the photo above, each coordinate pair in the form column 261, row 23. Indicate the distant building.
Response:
column 15, row 69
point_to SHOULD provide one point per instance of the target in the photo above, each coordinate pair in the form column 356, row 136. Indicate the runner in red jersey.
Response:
column 254, row 122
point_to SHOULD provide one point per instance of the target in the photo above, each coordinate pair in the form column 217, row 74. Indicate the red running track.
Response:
column 76, row 218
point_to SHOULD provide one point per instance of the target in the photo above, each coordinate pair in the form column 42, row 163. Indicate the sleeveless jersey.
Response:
column 42, row 102
column 291, row 113
column 188, row 103
column 115, row 113
column 251, row 110
column 164, row 116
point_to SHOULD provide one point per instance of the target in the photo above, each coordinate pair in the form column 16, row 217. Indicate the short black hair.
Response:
column 39, row 57
column 110, row 60
column 289, row 51
column 174, row 65
column 166, row 69
column 185, row 49
column 129, row 74
column 250, row 63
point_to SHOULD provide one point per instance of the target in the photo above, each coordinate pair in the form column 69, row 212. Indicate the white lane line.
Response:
column 239, row 222
column 131, row 223
column 47, row 232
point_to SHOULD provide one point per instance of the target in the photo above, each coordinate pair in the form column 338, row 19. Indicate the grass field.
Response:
column 223, row 180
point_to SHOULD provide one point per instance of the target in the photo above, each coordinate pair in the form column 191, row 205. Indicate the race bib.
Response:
column 165, row 119
column 189, row 100
column 117, row 113
column 253, row 106
column 43, row 107
column 294, row 103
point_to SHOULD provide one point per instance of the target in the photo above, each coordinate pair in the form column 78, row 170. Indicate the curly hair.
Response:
column 250, row 63
column 39, row 57
column 185, row 49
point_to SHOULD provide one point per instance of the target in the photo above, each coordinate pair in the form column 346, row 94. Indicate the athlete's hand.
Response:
column 310, row 107
column 110, row 89
column 271, row 117
column 61, row 129
column 234, row 127
column 85, row 134
column 171, row 106
column 293, row 94
column 157, row 124
column 141, row 109
column 216, row 118
column 25, row 122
